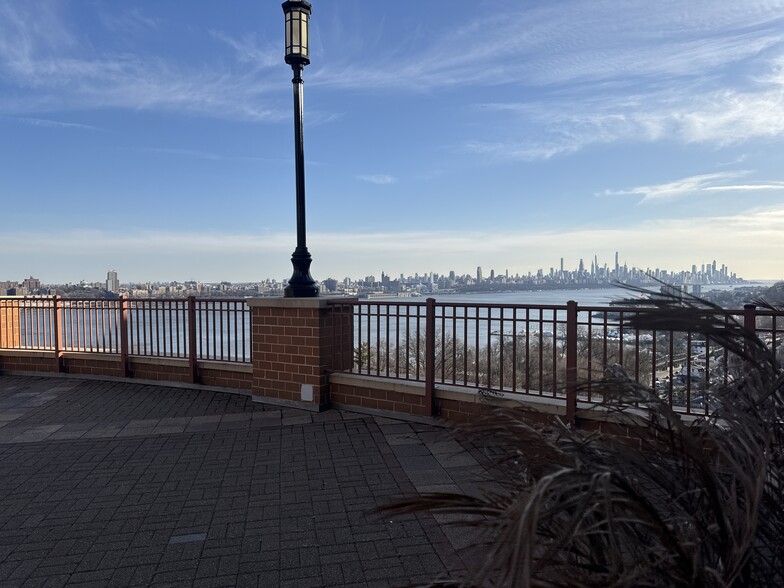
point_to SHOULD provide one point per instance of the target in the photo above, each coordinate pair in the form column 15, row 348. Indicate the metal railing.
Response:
column 191, row 328
column 556, row 351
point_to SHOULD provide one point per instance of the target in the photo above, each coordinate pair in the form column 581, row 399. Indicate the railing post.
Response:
column 571, row 362
column 124, row 342
column 430, row 354
column 57, row 325
column 194, row 368
column 750, row 320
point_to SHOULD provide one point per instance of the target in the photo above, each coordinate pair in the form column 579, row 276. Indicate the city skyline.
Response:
column 606, row 271
column 156, row 139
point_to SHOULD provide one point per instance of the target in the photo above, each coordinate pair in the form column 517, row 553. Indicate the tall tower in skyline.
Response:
column 617, row 267
column 112, row 282
column 479, row 273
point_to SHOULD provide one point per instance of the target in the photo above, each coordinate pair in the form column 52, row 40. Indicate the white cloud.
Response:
column 695, row 185
column 691, row 113
column 380, row 179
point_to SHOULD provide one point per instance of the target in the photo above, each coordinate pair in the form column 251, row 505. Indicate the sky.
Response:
column 156, row 138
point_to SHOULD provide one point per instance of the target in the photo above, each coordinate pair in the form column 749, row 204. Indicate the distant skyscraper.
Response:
column 617, row 267
column 479, row 273
column 112, row 283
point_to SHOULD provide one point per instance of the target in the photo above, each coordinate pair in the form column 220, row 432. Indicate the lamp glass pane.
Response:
column 288, row 33
column 295, row 36
column 305, row 34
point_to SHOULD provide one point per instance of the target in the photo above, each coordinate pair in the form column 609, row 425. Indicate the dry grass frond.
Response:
column 695, row 503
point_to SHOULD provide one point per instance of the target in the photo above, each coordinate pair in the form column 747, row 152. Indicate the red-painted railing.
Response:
column 557, row 351
column 197, row 329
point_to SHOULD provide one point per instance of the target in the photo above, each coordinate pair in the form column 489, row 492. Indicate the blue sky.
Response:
column 156, row 138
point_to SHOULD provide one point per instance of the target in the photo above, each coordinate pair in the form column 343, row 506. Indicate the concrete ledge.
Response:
column 542, row 404
column 113, row 357
column 164, row 361
column 240, row 368
column 27, row 353
column 280, row 302
column 378, row 383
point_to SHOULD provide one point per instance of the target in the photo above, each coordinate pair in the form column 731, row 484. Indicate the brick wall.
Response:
column 226, row 375
column 27, row 361
column 161, row 369
column 379, row 395
column 223, row 375
column 92, row 364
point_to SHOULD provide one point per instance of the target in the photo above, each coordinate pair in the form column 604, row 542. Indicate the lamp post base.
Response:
column 301, row 284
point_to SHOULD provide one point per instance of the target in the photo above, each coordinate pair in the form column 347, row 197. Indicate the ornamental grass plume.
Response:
column 697, row 502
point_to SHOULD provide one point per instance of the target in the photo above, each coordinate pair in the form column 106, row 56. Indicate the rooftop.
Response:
column 116, row 483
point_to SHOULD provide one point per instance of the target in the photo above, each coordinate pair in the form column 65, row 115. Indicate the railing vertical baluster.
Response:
column 571, row 361
column 194, row 370
column 398, row 351
column 501, row 351
column 58, row 331
column 124, row 342
column 386, row 352
column 430, row 354
column 514, row 350
column 418, row 316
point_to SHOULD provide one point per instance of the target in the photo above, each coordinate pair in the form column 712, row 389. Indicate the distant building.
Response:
column 479, row 274
column 31, row 285
column 112, row 282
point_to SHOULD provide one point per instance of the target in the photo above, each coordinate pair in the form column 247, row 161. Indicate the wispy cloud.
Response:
column 43, row 122
column 690, row 113
column 249, row 50
column 129, row 21
column 380, row 179
column 695, row 185
column 575, row 41
column 49, row 68
column 175, row 152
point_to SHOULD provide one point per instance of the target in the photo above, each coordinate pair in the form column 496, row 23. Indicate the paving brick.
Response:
column 122, row 484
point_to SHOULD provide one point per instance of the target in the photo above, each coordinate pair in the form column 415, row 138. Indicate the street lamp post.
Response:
column 301, row 284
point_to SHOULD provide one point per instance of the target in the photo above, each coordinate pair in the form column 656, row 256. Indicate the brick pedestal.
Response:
column 297, row 343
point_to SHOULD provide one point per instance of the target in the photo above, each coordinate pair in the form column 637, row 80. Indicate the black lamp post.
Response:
column 301, row 284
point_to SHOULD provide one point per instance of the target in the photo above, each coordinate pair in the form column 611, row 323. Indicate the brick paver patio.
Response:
column 125, row 484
